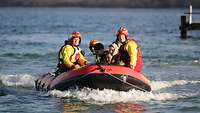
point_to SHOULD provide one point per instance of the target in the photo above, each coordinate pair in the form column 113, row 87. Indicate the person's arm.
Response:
column 67, row 53
column 82, row 60
column 132, row 51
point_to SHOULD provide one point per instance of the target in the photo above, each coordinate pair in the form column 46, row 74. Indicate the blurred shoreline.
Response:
column 101, row 3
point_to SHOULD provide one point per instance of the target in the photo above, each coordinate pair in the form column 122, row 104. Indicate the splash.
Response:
column 157, row 85
column 108, row 96
column 17, row 80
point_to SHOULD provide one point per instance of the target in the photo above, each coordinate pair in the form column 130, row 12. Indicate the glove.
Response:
column 108, row 58
column 75, row 66
column 131, row 66
column 85, row 63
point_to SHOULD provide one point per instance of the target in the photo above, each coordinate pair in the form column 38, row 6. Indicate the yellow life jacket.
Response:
column 130, row 54
column 70, row 55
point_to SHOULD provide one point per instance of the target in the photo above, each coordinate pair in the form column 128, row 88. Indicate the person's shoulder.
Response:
column 115, row 44
column 68, row 47
column 133, row 40
column 132, row 43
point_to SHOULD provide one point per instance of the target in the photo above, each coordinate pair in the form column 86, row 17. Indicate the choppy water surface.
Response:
column 31, row 37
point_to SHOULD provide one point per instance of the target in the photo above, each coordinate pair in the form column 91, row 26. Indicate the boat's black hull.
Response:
column 104, row 81
column 97, row 79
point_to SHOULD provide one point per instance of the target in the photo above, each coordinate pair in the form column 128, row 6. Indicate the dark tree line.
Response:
column 103, row 3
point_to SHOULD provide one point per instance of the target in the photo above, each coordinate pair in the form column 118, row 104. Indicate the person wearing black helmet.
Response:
column 98, row 51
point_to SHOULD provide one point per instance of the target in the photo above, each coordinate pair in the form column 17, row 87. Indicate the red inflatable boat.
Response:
column 95, row 76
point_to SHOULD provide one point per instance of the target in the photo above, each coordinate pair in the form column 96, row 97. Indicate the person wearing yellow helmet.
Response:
column 70, row 55
column 98, row 51
column 128, row 52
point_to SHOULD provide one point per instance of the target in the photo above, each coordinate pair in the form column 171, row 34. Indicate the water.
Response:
column 30, row 39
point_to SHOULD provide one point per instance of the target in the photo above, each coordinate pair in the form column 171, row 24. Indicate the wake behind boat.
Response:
column 97, row 77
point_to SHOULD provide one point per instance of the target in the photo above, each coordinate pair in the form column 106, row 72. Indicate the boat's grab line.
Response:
column 100, row 68
column 134, row 86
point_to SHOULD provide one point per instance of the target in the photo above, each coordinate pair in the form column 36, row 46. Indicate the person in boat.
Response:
column 98, row 51
column 70, row 55
column 128, row 52
column 113, row 53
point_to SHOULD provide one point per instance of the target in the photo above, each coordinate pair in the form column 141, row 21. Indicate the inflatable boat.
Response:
column 97, row 77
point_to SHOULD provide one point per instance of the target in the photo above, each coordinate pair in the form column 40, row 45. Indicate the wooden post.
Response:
column 187, row 24
column 183, row 27
column 190, row 14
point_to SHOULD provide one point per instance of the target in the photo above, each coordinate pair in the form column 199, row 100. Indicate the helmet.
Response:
column 122, row 30
column 93, row 42
column 95, row 45
column 75, row 34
